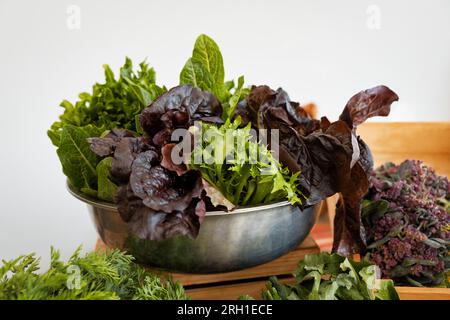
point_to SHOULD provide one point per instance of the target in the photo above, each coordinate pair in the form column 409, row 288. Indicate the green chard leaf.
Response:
column 205, row 68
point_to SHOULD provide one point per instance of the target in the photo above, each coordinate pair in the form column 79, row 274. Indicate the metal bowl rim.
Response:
column 111, row 206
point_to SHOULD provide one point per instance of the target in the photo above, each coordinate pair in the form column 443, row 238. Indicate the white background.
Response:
column 321, row 51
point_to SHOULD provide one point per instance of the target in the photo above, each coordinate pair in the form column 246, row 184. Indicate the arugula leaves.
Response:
column 205, row 70
column 326, row 276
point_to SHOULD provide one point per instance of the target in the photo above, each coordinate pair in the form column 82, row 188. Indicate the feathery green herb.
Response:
column 108, row 275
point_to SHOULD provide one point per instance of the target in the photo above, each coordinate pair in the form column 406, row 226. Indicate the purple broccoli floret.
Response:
column 408, row 234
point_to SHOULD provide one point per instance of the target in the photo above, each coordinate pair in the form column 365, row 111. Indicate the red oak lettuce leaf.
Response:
column 368, row 103
column 167, row 159
column 106, row 145
column 331, row 158
column 161, row 189
column 125, row 153
column 157, row 225
column 155, row 202
column 267, row 108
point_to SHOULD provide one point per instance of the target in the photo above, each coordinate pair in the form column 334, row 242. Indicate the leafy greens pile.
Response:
column 325, row 276
column 157, row 202
column 331, row 157
column 114, row 104
column 108, row 275
column 116, row 144
column 406, row 216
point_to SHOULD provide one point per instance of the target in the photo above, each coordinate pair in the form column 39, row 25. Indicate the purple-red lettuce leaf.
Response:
column 161, row 189
column 179, row 108
column 158, row 225
column 331, row 157
column 368, row 103
column 155, row 202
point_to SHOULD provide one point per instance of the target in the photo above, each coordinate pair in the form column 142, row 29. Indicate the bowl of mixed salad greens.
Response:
column 212, row 175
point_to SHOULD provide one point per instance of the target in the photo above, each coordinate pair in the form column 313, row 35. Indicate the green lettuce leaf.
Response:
column 78, row 161
column 205, row 70
column 195, row 73
column 207, row 52
column 106, row 188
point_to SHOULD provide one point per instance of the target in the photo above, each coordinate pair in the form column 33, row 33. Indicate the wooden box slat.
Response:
column 398, row 141
column 416, row 293
column 228, row 292
column 254, row 289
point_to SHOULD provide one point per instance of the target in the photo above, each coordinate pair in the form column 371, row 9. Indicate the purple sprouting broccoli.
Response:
column 406, row 216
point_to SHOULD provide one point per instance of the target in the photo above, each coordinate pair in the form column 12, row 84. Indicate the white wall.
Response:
column 322, row 51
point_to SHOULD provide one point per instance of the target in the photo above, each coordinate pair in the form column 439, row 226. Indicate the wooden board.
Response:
column 398, row 141
column 415, row 293
column 232, row 291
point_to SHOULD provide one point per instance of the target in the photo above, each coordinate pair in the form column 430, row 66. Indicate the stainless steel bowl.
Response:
column 227, row 241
